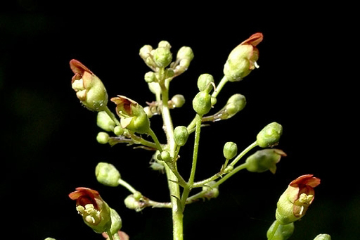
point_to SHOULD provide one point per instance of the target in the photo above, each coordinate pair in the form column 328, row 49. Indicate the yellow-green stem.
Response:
column 221, row 84
column 177, row 214
column 127, row 186
column 245, row 151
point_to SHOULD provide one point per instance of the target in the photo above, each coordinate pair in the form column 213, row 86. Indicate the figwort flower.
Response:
column 133, row 116
column 242, row 60
column 296, row 199
column 93, row 209
column 88, row 87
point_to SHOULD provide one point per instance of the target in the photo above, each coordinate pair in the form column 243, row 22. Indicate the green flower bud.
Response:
column 269, row 136
column 322, row 237
column 165, row 156
column 264, row 160
column 177, row 100
column 242, row 60
column 283, row 232
column 150, row 77
column 132, row 203
column 116, row 222
column 164, row 44
column 169, row 73
column 107, row 174
column 145, row 51
column 118, row 131
column 148, row 112
column 212, row 192
column 202, row 103
column 104, row 121
column 102, row 137
column 205, row 82
column 154, row 87
column 183, row 58
column 181, row 135
column 137, row 195
column 133, row 116
column 88, row 87
column 213, row 100
column 230, row 150
column 162, row 57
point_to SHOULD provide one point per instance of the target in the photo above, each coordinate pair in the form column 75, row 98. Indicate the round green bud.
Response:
column 154, row 87
column 212, row 192
column 150, row 77
column 181, row 135
column 230, row 150
column 145, row 52
column 132, row 203
column 178, row 100
column 165, row 156
column 162, row 57
column 283, row 232
column 269, row 136
column 213, row 100
column 107, row 174
column 169, row 73
column 118, row 130
column 323, row 237
column 164, row 44
column 202, row 103
column 137, row 195
column 185, row 53
column 104, row 121
column 205, row 82
column 102, row 137
column 116, row 222
column 235, row 104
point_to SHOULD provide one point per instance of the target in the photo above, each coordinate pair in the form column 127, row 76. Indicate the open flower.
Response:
column 296, row 199
column 93, row 209
column 88, row 87
column 242, row 60
column 132, row 115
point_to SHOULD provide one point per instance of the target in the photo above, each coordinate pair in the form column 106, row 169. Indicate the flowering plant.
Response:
column 131, row 124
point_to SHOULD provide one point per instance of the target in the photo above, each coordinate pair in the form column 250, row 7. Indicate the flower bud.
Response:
column 169, row 73
column 132, row 203
column 242, row 60
column 93, row 209
column 322, row 237
column 264, row 160
column 234, row 105
column 154, row 87
column 269, row 136
column 296, row 199
column 184, row 56
column 202, row 103
column 230, row 150
column 205, row 82
column 283, row 232
column 102, row 138
column 150, row 77
column 162, row 57
column 177, row 100
column 118, row 131
column 116, row 222
column 146, row 54
column 165, row 156
column 181, row 135
column 133, row 116
column 88, row 87
column 105, row 122
column 212, row 192
column 107, row 174
column 164, row 44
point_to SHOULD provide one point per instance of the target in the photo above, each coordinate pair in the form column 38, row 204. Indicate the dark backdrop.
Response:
column 48, row 140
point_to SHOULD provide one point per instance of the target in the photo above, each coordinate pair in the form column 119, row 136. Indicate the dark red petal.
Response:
column 78, row 67
column 254, row 39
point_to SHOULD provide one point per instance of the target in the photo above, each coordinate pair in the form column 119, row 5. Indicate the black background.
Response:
column 48, row 145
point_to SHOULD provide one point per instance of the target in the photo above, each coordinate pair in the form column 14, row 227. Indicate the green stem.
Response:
column 110, row 236
column 245, row 151
column 177, row 214
column 127, row 186
column 153, row 136
column 221, row 84
column 187, row 190
column 112, row 116
column 227, row 176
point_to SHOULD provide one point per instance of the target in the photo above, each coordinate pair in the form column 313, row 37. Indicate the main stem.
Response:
column 177, row 214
